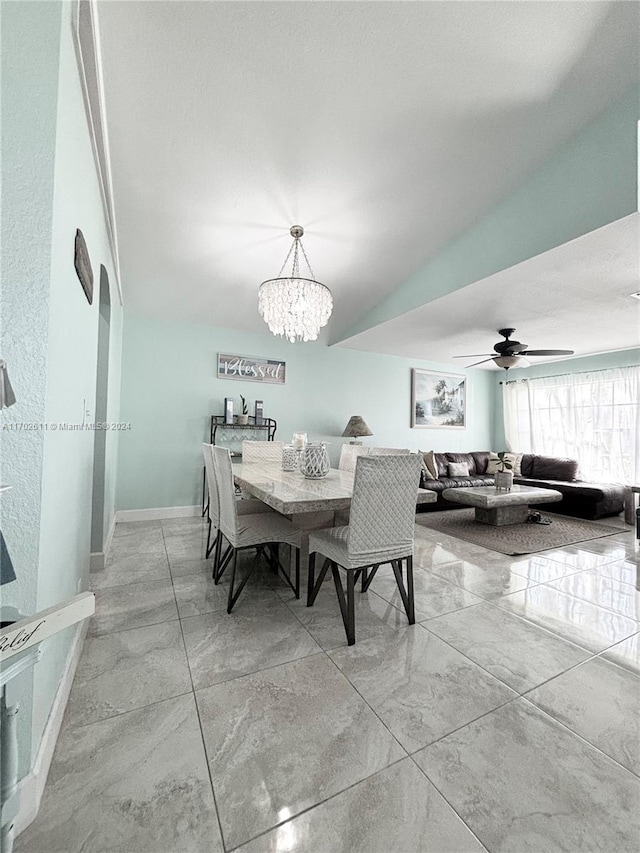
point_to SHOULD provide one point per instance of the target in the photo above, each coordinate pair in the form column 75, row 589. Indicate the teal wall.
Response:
column 169, row 389
column 50, row 332
column 622, row 358
column 590, row 181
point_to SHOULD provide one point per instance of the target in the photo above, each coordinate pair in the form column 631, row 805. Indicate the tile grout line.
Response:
column 195, row 702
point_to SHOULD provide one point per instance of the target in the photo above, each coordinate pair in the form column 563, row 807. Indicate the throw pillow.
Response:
column 430, row 465
column 495, row 464
column 458, row 469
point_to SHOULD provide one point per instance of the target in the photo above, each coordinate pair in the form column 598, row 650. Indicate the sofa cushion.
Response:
column 481, row 458
column 458, row 482
column 576, row 488
column 526, row 466
column 430, row 464
column 443, row 464
column 458, row 469
column 552, row 468
column 463, row 458
column 495, row 463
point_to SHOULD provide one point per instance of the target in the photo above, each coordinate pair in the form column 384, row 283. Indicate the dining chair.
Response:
column 389, row 451
column 213, row 510
column 380, row 530
column 349, row 456
column 263, row 530
column 262, row 451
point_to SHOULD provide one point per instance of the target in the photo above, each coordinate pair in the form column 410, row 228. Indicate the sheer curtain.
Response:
column 591, row 417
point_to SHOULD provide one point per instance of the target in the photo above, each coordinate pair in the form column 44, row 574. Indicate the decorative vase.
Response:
column 289, row 458
column 243, row 419
column 314, row 460
column 504, row 481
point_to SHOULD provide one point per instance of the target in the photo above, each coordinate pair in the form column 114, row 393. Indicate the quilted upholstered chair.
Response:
column 262, row 451
column 389, row 451
column 261, row 530
column 349, row 456
column 380, row 531
column 213, row 509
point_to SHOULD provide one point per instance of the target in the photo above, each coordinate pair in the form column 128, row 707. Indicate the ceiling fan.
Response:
column 509, row 353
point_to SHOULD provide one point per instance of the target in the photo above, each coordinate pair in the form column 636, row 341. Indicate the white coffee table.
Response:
column 501, row 508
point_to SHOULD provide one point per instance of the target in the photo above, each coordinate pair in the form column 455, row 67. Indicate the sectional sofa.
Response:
column 580, row 498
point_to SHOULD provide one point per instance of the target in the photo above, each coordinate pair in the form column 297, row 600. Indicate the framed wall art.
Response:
column 438, row 400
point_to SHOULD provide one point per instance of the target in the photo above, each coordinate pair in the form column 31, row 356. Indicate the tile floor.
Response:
column 506, row 720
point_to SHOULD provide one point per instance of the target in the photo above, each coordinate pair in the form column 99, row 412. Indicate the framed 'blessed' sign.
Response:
column 251, row 369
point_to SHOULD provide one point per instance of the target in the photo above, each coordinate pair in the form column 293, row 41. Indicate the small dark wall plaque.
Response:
column 83, row 266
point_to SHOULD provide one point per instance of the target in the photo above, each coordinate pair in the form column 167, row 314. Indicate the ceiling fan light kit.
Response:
column 293, row 306
column 511, row 353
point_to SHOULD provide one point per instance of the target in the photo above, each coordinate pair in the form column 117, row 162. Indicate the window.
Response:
column 591, row 417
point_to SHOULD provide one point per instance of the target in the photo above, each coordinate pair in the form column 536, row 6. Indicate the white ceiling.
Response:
column 384, row 128
column 574, row 297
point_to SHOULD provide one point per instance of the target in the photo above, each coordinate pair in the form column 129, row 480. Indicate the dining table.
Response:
column 311, row 504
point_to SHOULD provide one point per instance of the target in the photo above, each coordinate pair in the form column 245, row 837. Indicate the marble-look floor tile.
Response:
column 136, row 783
column 132, row 606
column 197, row 594
column 427, row 553
column 137, row 529
column 614, row 548
column 485, row 581
column 222, row 646
column 179, row 566
column 396, row 809
column 128, row 670
column 147, row 543
column 578, row 557
column 134, row 568
column 419, row 686
column 581, row 622
column 592, row 586
column 184, row 525
column 623, row 571
column 432, row 595
column 522, row 782
column 285, row 739
column 515, row 651
column 600, row 702
column 539, row 569
column 626, row 654
column 374, row 617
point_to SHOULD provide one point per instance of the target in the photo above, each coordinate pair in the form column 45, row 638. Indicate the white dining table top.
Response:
column 290, row 492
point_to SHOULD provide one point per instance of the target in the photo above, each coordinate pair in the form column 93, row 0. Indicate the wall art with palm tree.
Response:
column 438, row 399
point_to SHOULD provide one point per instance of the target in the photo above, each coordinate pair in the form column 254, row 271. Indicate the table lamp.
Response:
column 356, row 428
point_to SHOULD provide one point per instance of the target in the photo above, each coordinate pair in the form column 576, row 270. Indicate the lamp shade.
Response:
column 356, row 427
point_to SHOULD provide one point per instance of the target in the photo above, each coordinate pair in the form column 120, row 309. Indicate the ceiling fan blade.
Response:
column 479, row 362
column 548, row 352
column 474, row 355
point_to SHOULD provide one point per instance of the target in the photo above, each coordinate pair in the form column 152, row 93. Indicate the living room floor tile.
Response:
column 522, row 782
column 591, row 586
column 485, row 581
column 128, row 569
column 136, row 783
column 419, row 686
column 599, row 701
column 542, row 569
column 626, row 654
column 433, row 595
column 127, row 670
column 396, row 809
column 578, row 621
column 515, row 651
column 577, row 556
column 285, row 739
column 623, row 571
column 132, row 606
column 222, row 646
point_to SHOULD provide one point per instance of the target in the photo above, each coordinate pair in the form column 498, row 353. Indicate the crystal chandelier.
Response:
column 291, row 306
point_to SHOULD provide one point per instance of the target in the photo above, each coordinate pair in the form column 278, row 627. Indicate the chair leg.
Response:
column 233, row 596
column 314, row 588
column 311, row 574
column 405, row 594
column 367, row 578
column 297, row 589
column 216, row 554
column 223, row 563
column 347, row 607
column 209, row 543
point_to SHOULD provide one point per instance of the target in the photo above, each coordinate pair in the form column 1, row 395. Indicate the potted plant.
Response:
column 244, row 417
column 504, row 476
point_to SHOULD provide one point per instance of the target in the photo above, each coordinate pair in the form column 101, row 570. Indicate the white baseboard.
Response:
column 124, row 515
column 97, row 559
column 32, row 786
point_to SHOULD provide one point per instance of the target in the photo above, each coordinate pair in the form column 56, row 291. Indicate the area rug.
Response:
column 516, row 539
